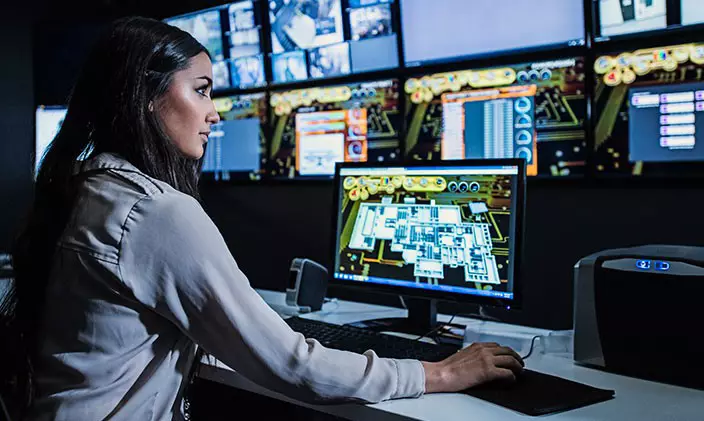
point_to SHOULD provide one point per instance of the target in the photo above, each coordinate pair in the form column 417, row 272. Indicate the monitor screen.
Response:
column 649, row 112
column 232, row 35
column 433, row 228
column 692, row 12
column 623, row 18
column 314, row 128
column 440, row 31
column 327, row 38
column 48, row 121
column 237, row 144
column 535, row 111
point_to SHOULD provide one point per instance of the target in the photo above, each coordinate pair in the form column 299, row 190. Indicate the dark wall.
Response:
column 16, row 119
column 267, row 226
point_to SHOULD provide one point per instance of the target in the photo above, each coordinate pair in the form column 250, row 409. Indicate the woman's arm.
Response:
column 176, row 262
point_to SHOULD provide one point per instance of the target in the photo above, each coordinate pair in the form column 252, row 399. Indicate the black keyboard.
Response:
column 532, row 393
column 355, row 339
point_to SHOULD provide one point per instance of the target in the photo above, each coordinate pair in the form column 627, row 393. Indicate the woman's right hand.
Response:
column 478, row 363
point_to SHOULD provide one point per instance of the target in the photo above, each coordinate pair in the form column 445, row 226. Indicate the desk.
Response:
column 635, row 399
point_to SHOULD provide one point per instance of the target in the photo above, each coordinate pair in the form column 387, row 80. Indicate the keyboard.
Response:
column 355, row 339
column 533, row 393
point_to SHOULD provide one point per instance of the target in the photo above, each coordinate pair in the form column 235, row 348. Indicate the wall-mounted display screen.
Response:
column 232, row 35
column 314, row 128
column 315, row 39
column 649, row 113
column 623, row 18
column 47, row 122
column 237, row 144
column 534, row 111
column 440, row 31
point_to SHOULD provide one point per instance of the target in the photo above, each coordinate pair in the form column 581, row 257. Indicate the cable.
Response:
column 532, row 343
column 436, row 328
column 403, row 302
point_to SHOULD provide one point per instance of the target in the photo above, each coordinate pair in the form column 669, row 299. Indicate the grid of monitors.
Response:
column 314, row 128
column 232, row 35
column 237, row 144
column 48, row 121
column 441, row 31
column 535, row 111
column 619, row 18
column 649, row 112
column 646, row 102
column 315, row 39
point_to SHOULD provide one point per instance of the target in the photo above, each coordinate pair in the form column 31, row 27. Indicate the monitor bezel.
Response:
column 370, row 287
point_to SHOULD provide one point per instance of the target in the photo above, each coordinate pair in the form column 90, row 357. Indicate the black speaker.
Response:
column 307, row 285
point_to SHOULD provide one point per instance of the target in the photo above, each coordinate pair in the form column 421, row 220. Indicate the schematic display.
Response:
column 446, row 232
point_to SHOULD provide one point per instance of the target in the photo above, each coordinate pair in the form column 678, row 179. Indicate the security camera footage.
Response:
column 321, row 39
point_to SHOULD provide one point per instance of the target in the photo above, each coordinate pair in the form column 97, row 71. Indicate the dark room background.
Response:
column 268, row 224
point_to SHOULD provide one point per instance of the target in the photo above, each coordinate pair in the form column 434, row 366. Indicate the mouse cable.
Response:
column 532, row 344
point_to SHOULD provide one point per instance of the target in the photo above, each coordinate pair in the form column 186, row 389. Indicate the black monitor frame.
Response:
column 433, row 296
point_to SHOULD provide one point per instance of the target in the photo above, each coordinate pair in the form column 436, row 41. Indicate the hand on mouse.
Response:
column 478, row 363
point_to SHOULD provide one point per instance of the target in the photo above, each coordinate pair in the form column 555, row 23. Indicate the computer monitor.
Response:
column 440, row 31
column 649, row 112
column 431, row 231
column 314, row 128
column 328, row 38
column 236, row 146
column 535, row 111
column 232, row 35
column 48, row 120
column 627, row 18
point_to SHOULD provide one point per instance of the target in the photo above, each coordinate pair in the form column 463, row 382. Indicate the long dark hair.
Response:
column 129, row 69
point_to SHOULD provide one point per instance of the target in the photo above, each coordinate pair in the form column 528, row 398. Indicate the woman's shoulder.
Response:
column 113, row 194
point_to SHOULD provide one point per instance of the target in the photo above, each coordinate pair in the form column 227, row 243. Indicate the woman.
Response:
column 120, row 273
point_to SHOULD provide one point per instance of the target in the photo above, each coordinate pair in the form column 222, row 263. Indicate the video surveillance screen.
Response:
column 232, row 35
column 316, row 39
column 628, row 18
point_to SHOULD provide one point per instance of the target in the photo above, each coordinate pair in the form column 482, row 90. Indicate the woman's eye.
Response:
column 203, row 91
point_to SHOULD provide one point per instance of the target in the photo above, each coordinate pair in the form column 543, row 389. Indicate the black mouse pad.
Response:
column 537, row 393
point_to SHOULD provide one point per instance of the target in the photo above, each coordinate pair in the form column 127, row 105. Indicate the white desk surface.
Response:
column 635, row 399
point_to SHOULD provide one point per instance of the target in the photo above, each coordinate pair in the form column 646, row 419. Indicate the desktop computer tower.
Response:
column 638, row 312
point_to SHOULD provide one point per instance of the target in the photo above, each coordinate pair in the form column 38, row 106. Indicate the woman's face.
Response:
column 186, row 110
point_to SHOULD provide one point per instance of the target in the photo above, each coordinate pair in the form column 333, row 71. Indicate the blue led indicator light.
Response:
column 643, row 264
column 662, row 266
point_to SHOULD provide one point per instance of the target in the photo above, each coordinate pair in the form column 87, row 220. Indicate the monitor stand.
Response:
column 422, row 321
